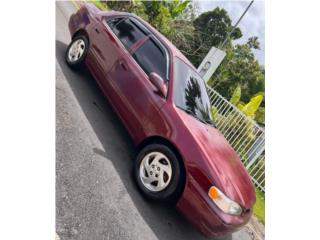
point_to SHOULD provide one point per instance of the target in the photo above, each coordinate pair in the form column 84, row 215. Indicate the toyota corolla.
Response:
column 162, row 101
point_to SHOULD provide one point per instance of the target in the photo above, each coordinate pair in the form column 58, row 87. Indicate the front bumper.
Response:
column 204, row 215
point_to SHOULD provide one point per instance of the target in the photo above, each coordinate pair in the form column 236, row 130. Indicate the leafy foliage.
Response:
column 253, row 42
column 122, row 6
column 215, row 114
column 235, row 99
column 239, row 68
column 161, row 14
column 213, row 28
column 101, row 5
column 251, row 109
column 259, row 207
column 259, row 117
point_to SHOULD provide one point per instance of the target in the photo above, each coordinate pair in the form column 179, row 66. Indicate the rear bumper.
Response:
column 204, row 215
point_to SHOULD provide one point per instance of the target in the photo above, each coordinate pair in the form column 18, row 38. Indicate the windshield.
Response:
column 190, row 92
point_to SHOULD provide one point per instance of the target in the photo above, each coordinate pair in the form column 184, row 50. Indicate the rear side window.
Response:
column 127, row 32
column 151, row 59
column 112, row 22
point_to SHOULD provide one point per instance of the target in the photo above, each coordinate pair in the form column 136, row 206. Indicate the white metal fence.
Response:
column 245, row 136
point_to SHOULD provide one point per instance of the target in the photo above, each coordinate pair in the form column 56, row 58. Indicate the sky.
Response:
column 252, row 24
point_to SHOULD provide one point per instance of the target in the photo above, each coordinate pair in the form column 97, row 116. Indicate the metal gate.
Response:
column 245, row 135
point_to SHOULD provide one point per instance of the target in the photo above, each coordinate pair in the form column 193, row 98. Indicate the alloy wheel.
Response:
column 155, row 171
column 76, row 50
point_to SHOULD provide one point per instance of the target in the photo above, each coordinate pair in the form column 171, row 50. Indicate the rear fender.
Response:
column 83, row 19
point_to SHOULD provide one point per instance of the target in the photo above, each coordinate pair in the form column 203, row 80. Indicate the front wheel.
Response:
column 158, row 173
column 77, row 51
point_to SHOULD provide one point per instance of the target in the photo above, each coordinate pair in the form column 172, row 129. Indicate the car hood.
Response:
column 223, row 163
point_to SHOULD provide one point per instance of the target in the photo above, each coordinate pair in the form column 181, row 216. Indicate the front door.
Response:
column 137, row 100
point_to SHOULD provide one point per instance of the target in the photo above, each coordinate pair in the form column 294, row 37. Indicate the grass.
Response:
column 259, row 207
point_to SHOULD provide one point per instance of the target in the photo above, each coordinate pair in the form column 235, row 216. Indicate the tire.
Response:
column 163, row 158
column 76, row 59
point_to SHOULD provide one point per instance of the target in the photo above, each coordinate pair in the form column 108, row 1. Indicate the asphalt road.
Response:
column 96, row 197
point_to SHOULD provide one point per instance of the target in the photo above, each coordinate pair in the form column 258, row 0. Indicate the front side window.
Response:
column 151, row 58
column 127, row 32
column 190, row 92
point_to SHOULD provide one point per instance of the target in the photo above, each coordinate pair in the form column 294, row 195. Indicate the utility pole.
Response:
column 234, row 27
column 215, row 56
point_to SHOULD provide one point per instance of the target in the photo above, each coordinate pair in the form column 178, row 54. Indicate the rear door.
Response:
column 107, row 48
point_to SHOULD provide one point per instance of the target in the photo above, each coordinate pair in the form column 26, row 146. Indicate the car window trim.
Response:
column 164, row 51
column 139, row 25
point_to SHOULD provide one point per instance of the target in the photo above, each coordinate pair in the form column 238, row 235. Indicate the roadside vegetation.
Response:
column 259, row 207
column 100, row 4
column 240, row 77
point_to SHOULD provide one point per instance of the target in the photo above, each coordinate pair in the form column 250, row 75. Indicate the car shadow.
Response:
column 165, row 221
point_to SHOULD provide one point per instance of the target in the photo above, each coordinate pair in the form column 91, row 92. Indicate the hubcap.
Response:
column 155, row 171
column 76, row 50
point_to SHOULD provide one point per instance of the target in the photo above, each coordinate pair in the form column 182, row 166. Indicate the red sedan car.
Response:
column 163, row 103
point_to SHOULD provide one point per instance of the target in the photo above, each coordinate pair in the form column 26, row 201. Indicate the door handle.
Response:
column 123, row 65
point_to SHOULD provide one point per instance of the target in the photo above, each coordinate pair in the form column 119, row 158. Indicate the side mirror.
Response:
column 159, row 83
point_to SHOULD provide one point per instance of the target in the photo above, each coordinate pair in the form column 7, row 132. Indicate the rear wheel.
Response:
column 159, row 173
column 77, row 51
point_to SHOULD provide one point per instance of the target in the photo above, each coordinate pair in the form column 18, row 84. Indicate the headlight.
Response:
column 223, row 202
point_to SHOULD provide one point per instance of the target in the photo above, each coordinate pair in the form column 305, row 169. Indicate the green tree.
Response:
column 161, row 14
column 122, row 6
column 253, row 43
column 239, row 68
column 212, row 28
